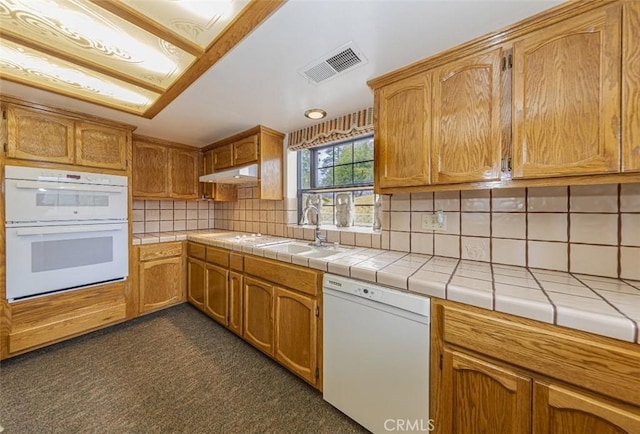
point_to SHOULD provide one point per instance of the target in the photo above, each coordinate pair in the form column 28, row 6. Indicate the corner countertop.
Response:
column 600, row 305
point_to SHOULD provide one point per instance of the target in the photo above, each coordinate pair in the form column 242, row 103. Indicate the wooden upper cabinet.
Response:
column 164, row 171
column 566, row 97
column 558, row 410
column 99, row 146
column 32, row 135
column 245, row 151
column 150, row 162
column 222, row 157
column 403, row 132
column 466, row 144
column 631, row 87
column 184, row 173
column 479, row 397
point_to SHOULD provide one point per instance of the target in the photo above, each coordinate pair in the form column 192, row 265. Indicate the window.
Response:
column 336, row 170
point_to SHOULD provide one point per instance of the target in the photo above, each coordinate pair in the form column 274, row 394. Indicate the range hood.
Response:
column 243, row 175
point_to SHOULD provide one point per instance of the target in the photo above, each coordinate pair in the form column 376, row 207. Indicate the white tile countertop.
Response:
column 601, row 305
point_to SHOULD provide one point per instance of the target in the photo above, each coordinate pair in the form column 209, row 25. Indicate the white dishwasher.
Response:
column 376, row 355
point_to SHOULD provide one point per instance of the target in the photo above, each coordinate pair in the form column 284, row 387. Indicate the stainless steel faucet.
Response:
column 320, row 239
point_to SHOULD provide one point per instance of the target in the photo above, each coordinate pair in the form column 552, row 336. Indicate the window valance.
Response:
column 341, row 128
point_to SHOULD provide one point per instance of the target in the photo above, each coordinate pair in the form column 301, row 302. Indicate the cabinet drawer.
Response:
column 196, row 251
column 218, row 256
column 150, row 252
column 236, row 262
column 299, row 278
column 595, row 363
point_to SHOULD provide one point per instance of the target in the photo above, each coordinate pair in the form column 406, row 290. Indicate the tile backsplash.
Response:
column 591, row 229
column 152, row 216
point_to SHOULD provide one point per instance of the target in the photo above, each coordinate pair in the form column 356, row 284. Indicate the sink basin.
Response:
column 291, row 248
column 323, row 252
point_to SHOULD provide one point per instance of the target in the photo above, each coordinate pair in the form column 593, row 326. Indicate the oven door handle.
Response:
column 34, row 185
column 52, row 230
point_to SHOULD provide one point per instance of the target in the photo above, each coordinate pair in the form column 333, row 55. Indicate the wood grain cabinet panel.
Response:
column 196, row 283
column 566, row 97
column 32, row 135
column 217, row 288
column 296, row 332
column 184, row 174
column 631, row 87
column 222, row 157
column 150, row 162
column 236, row 305
column 559, row 410
column 245, row 151
column 482, row 398
column 161, row 283
column 466, row 143
column 403, row 133
column 258, row 314
column 99, row 146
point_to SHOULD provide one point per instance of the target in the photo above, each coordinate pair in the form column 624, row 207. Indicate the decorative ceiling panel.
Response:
column 31, row 67
column 133, row 55
column 196, row 20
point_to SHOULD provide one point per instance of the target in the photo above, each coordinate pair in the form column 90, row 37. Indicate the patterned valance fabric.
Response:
column 341, row 128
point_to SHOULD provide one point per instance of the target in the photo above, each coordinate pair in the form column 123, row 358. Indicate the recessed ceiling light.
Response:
column 315, row 113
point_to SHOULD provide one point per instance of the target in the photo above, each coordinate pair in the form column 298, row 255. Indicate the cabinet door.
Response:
column 36, row 136
column 258, row 314
column 150, row 170
column 245, row 151
column 631, row 87
column 222, row 157
column 561, row 411
column 235, row 302
column 99, row 146
column 466, row 145
column 225, row 192
column 160, row 283
column 206, row 188
column 196, row 282
column 403, row 133
column 217, row 285
column 184, row 174
column 296, row 332
column 566, row 97
column 482, row 398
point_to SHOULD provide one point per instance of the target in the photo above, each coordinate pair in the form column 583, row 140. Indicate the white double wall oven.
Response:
column 64, row 230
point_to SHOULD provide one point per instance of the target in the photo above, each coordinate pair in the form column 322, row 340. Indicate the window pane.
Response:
column 343, row 154
column 363, row 150
column 363, row 197
column 363, row 172
column 305, row 169
column 324, row 157
column 328, row 209
column 343, row 175
column 364, row 215
column 324, row 177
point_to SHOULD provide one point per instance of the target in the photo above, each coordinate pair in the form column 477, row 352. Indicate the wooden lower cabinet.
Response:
column 479, row 397
column 236, row 297
column 216, row 293
column 559, row 410
column 196, row 282
column 296, row 332
column 258, row 314
column 161, row 277
column 497, row 374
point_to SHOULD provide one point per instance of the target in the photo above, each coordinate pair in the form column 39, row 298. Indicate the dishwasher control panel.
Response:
column 370, row 293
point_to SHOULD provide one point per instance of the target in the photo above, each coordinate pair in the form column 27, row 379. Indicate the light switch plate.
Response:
column 430, row 223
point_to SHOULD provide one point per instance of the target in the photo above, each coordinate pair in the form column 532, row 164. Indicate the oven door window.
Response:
column 47, row 255
column 71, row 199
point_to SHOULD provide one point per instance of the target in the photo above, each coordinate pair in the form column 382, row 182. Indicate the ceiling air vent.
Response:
column 335, row 63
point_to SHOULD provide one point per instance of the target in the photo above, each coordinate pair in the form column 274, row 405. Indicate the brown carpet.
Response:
column 175, row 371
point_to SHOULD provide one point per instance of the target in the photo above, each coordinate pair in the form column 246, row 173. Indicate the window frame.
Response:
column 313, row 168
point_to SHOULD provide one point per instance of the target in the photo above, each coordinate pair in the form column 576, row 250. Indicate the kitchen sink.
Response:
column 291, row 248
column 323, row 252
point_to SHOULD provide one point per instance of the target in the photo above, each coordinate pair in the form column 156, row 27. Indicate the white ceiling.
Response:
column 257, row 82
